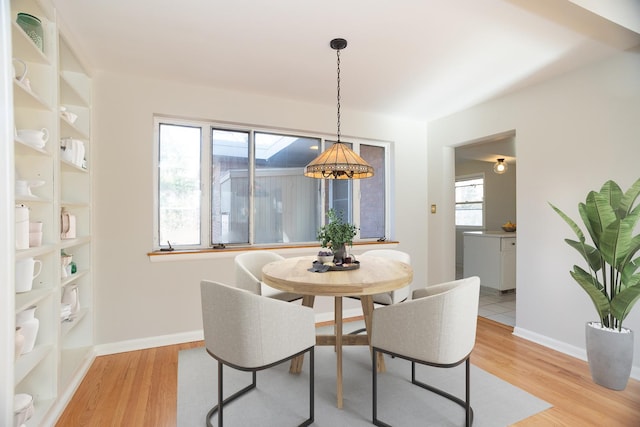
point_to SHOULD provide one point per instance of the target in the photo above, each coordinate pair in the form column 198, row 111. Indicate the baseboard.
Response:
column 562, row 347
column 150, row 342
column 162, row 340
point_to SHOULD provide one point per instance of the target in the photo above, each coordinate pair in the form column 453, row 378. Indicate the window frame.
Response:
column 471, row 177
column 207, row 126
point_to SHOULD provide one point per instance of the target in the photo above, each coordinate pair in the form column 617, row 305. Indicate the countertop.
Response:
column 497, row 233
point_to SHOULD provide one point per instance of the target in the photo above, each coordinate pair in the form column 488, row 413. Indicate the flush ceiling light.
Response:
column 339, row 161
column 500, row 166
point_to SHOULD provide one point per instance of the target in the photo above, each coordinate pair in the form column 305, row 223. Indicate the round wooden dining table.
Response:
column 374, row 275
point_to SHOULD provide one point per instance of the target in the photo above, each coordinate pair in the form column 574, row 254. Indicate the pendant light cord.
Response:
column 338, row 55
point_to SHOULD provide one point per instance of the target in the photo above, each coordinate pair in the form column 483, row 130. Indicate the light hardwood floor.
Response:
column 138, row 388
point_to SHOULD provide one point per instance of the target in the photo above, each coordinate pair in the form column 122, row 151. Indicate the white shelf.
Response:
column 28, row 362
column 74, row 320
column 33, row 297
column 56, row 78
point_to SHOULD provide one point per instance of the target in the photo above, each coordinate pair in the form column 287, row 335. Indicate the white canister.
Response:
column 22, row 227
column 27, row 270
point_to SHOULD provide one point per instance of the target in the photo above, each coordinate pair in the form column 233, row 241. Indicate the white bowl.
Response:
column 24, row 186
column 325, row 258
column 22, row 408
column 71, row 117
column 36, row 138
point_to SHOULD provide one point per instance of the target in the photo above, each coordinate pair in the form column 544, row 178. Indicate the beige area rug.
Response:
column 281, row 399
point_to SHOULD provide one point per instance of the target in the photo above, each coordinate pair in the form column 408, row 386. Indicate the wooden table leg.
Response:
column 367, row 310
column 338, row 317
column 296, row 362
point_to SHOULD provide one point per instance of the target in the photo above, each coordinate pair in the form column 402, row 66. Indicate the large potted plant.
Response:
column 336, row 233
column 612, row 280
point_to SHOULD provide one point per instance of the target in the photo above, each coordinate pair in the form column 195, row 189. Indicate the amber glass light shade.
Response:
column 338, row 162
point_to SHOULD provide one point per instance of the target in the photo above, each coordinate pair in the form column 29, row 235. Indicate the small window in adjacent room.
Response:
column 470, row 201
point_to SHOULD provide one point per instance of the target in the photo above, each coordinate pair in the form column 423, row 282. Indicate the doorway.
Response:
column 477, row 159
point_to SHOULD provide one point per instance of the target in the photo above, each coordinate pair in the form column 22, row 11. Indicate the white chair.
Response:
column 437, row 327
column 397, row 295
column 248, row 272
column 250, row 333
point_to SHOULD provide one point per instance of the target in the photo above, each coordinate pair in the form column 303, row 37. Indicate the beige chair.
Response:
column 437, row 327
column 397, row 295
column 248, row 272
column 250, row 333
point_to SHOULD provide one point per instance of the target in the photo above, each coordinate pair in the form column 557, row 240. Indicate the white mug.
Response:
column 26, row 271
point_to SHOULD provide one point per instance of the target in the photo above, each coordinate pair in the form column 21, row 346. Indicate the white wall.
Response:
column 572, row 134
column 150, row 302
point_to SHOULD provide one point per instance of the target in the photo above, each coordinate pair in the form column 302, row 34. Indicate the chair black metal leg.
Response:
column 309, row 421
column 221, row 402
column 374, row 371
column 469, row 412
column 465, row 405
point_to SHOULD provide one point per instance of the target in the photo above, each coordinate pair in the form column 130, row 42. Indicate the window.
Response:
column 245, row 186
column 470, row 201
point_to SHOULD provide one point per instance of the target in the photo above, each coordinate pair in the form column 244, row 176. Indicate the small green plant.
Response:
column 613, row 280
column 336, row 233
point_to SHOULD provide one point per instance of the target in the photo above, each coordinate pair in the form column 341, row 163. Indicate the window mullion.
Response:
column 252, row 180
column 206, row 170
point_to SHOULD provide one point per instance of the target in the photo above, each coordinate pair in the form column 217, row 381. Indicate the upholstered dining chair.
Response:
column 397, row 295
column 437, row 327
column 248, row 272
column 249, row 332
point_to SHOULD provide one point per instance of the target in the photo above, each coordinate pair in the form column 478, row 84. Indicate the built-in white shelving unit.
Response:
column 57, row 82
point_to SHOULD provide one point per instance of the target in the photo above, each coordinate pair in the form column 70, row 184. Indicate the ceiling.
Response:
column 488, row 149
column 419, row 59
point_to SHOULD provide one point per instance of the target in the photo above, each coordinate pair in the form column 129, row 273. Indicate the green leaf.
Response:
column 571, row 223
column 588, row 252
column 622, row 304
column 629, row 198
column 628, row 277
column 612, row 193
column 594, row 289
column 615, row 242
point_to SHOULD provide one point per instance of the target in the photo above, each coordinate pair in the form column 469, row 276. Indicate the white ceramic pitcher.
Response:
column 19, row 77
column 26, row 270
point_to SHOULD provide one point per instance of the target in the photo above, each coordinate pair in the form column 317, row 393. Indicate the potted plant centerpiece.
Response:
column 612, row 280
column 336, row 233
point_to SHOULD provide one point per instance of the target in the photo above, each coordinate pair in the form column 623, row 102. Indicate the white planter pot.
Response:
column 610, row 355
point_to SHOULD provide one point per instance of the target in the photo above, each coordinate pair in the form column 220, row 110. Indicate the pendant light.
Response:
column 339, row 161
column 500, row 167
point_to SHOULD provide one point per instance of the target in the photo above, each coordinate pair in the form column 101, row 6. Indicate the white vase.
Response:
column 29, row 325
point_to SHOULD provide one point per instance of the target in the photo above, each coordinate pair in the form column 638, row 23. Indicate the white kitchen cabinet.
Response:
column 63, row 350
column 492, row 257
